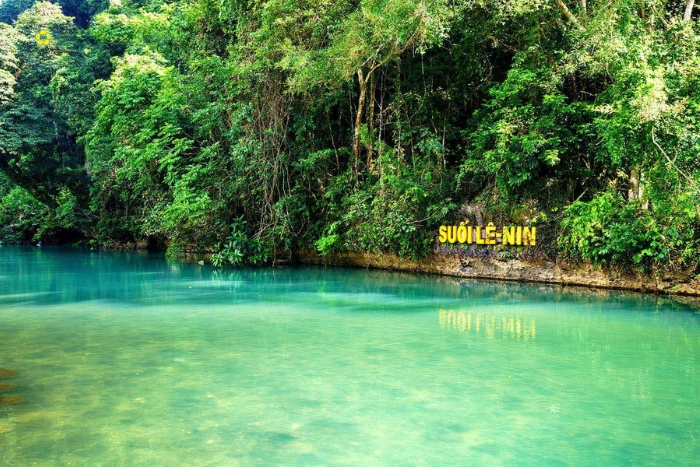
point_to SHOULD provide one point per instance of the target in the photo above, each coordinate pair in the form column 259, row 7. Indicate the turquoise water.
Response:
column 131, row 359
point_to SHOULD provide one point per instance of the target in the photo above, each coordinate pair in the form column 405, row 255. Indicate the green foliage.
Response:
column 239, row 248
column 11, row 9
column 395, row 210
column 255, row 129
column 46, row 102
column 23, row 218
column 521, row 131
column 607, row 230
column 20, row 215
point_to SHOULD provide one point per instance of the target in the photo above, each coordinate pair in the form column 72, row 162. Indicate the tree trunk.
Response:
column 636, row 189
column 633, row 192
column 358, row 119
column 688, row 9
column 370, row 122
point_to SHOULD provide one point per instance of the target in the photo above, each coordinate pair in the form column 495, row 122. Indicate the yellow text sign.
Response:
column 489, row 235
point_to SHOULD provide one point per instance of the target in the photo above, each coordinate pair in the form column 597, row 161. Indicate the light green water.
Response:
column 130, row 359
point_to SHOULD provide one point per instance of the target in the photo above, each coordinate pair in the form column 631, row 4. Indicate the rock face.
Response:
column 515, row 270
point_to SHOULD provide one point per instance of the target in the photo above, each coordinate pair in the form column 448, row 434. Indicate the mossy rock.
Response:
column 5, row 373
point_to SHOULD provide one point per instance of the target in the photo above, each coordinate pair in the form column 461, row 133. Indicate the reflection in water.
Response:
column 507, row 327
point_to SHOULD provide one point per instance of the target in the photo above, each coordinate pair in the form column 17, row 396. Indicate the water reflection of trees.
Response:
column 64, row 275
column 489, row 324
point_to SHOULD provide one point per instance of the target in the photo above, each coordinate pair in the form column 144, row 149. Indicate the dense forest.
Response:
column 256, row 129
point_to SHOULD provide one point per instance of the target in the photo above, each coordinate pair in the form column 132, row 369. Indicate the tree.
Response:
column 46, row 102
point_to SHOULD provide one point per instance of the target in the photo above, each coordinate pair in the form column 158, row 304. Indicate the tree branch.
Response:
column 673, row 164
column 31, row 186
column 653, row 8
column 568, row 14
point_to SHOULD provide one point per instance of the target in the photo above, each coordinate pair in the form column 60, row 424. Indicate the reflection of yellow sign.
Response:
column 488, row 235
column 510, row 327
column 43, row 37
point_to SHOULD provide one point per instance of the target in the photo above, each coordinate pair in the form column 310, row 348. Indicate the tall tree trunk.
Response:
column 370, row 122
column 358, row 119
column 633, row 192
column 688, row 9
column 636, row 189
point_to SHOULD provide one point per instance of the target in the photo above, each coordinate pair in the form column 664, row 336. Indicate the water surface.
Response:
column 132, row 359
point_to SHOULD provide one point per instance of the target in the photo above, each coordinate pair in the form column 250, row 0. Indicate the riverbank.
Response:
column 490, row 267
column 513, row 269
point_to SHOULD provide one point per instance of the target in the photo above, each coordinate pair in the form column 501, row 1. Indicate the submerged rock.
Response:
column 280, row 437
column 6, row 400
column 5, row 373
